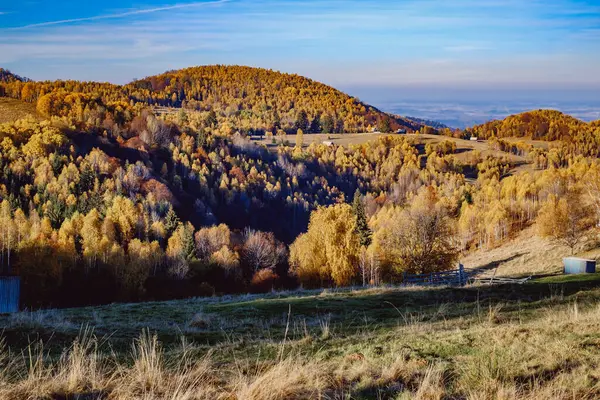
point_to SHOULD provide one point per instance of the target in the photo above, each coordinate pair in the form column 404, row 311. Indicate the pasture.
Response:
column 537, row 340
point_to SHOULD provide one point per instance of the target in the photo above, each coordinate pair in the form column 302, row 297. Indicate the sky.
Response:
column 350, row 44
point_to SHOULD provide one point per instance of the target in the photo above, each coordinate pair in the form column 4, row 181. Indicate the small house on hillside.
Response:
column 474, row 139
column 401, row 131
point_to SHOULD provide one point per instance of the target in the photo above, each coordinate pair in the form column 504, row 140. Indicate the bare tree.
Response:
column 369, row 266
column 363, row 261
column 261, row 250
column 211, row 240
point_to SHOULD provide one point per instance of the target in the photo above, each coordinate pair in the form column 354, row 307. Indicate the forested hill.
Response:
column 244, row 100
column 7, row 76
column 273, row 97
column 547, row 125
column 154, row 189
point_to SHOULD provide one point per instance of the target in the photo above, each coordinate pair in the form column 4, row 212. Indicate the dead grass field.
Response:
column 528, row 254
column 12, row 110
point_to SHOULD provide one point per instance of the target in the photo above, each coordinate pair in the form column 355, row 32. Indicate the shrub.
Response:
column 263, row 281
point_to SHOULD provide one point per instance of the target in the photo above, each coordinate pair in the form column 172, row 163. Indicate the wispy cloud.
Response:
column 420, row 40
column 122, row 14
column 465, row 48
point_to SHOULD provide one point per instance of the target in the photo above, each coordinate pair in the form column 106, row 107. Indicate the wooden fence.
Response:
column 10, row 290
column 456, row 277
column 460, row 277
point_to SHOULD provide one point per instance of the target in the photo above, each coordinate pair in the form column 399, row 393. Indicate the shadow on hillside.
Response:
column 461, row 150
column 495, row 264
column 386, row 302
column 349, row 311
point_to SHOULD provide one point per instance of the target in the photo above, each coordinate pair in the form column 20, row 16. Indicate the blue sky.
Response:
column 346, row 43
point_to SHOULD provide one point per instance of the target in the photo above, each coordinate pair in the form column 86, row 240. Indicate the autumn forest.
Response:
column 161, row 188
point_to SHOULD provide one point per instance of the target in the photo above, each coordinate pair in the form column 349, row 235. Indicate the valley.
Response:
column 233, row 233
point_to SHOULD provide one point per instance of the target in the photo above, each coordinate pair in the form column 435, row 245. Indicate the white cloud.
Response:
column 123, row 14
column 336, row 41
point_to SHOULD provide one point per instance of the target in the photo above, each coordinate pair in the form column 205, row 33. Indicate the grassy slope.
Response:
column 478, row 342
column 528, row 254
column 12, row 110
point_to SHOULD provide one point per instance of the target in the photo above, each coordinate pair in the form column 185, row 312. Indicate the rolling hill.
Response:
column 7, row 76
column 546, row 125
column 248, row 99
column 183, row 201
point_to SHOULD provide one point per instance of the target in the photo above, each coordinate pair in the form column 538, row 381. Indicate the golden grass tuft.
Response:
column 484, row 350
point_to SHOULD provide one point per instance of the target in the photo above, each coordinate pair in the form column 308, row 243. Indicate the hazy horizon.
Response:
column 460, row 107
column 422, row 57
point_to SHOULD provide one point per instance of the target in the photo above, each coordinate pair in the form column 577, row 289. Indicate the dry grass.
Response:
column 528, row 254
column 12, row 110
column 501, row 349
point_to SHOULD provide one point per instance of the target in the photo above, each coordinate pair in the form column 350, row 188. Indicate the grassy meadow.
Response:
column 12, row 110
column 540, row 340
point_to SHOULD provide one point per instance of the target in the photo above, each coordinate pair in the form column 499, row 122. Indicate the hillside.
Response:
column 110, row 196
column 528, row 254
column 533, row 341
column 247, row 99
column 547, row 125
column 7, row 77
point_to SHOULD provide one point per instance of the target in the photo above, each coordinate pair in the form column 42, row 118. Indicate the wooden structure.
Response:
column 456, row 277
column 10, row 291
column 490, row 280
column 460, row 277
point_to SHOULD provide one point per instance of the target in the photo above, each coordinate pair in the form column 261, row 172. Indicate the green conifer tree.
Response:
column 362, row 227
column 171, row 222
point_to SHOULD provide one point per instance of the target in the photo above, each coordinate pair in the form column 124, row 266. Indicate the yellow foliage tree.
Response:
column 330, row 247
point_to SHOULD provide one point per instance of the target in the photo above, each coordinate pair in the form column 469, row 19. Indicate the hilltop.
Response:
column 548, row 125
column 7, row 76
column 269, row 95
column 248, row 99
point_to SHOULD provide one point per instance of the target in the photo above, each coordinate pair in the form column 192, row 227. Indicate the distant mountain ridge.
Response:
column 428, row 122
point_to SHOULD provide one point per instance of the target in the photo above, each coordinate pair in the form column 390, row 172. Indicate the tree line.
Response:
column 106, row 201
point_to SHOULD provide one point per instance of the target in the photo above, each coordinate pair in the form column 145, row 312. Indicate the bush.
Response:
column 263, row 281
